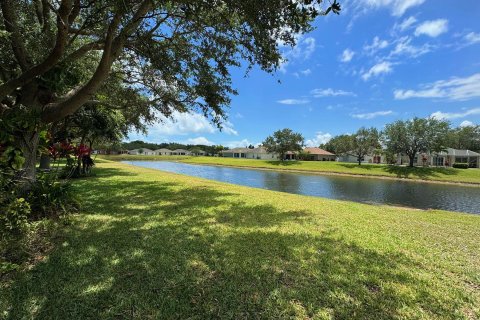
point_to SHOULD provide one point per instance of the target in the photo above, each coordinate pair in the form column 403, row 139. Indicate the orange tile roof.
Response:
column 318, row 151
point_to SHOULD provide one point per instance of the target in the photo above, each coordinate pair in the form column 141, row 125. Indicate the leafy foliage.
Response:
column 283, row 141
column 417, row 135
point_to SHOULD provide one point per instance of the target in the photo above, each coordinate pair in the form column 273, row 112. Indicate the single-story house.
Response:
column 366, row 159
column 196, row 152
column 255, row 153
column 142, row 151
column 180, row 152
column 163, row 152
column 317, row 154
column 444, row 159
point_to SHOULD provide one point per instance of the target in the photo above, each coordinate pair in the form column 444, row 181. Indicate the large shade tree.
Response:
column 364, row 142
column 56, row 55
column 417, row 135
column 283, row 141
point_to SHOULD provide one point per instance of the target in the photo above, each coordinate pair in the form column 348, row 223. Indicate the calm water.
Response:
column 400, row 193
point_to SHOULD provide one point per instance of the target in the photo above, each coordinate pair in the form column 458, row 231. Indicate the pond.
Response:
column 375, row 191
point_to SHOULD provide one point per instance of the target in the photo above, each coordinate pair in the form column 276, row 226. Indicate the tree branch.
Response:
column 52, row 58
column 112, row 49
column 11, row 26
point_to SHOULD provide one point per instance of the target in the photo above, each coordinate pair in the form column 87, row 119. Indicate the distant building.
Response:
column 163, row 152
column 317, row 154
column 142, row 151
column 444, row 159
column 180, row 152
column 255, row 153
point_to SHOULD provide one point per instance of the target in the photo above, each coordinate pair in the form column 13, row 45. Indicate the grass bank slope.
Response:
column 453, row 175
column 156, row 245
column 422, row 173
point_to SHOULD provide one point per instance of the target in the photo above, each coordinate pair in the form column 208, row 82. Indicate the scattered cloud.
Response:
column 238, row 115
column 319, row 139
column 301, row 51
column 432, row 28
column 405, row 24
column 472, row 38
column 293, row 101
column 305, row 72
column 397, row 7
column 455, row 88
column 239, row 144
column 199, row 140
column 182, row 123
column 377, row 44
column 405, row 48
column 372, row 115
column 467, row 123
column 227, row 127
column 455, row 115
column 378, row 69
column 347, row 55
column 329, row 92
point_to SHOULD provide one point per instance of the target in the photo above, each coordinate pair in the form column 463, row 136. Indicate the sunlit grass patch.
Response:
column 161, row 245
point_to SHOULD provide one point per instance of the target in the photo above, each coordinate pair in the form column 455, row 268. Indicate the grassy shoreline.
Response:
column 439, row 175
column 150, row 244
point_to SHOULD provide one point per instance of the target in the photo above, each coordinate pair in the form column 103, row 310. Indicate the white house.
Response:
column 444, row 159
column 180, row 152
column 142, row 151
column 255, row 153
column 163, row 152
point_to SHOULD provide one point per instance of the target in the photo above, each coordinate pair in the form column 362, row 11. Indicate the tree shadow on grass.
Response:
column 356, row 166
column 153, row 250
column 284, row 163
column 419, row 172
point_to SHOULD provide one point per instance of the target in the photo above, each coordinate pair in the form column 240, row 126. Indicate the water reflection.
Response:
column 401, row 193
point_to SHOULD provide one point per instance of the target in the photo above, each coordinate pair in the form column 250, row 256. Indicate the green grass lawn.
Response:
column 434, row 174
column 156, row 245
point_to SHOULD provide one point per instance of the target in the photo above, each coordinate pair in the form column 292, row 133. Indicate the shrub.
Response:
column 13, row 227
column 459, row 165
column 50, row 198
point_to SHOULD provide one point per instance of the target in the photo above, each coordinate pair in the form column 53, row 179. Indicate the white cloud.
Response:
column 472, row 38
column 377, row 44
column 455, row 115
column 293, row 101
column 199, row 140
column 371, row 115
column 405, row 24
column 378, row 69
column 432, row 28
column 397, row 7
column 347, row 55
column 329, row 92
column 301, row 51
column 467, row 123
column 319, row 139
column 404, row 47
column 227, row 127
column 306, row 72
column 239, row 144
column 454, row 89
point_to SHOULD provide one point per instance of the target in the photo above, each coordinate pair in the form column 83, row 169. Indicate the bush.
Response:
column 13, row 227
column 459, row 165
column 50, row 198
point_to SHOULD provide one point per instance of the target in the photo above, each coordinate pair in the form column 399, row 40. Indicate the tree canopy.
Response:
column 148, row 57
column 416, row 135
column 283, row 141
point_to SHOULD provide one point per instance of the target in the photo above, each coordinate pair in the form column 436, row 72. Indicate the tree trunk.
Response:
column 359, row 161
column 44, row 162
column 28, row 142
column 412, row 158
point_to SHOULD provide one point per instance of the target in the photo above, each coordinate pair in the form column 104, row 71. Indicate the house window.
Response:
column 438, row 161
column 461, row 159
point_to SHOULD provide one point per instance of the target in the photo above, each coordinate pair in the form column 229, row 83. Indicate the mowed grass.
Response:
column 156, row 245
column 375, row 170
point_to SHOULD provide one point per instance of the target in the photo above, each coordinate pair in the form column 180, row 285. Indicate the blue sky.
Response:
column 379, row 61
